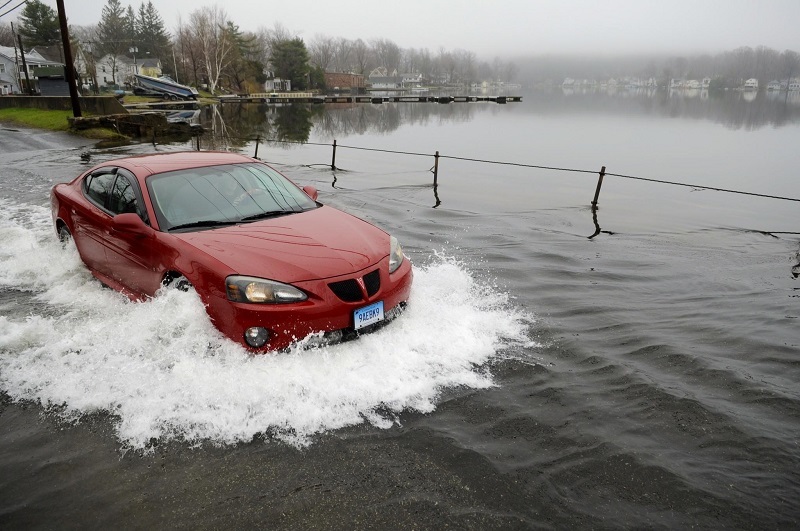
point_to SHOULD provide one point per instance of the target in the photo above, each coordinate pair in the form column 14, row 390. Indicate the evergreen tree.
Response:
column 39, row 25
column 112, row 36
column 290, row 61
column 111, row 29
column 245, row 72
column 130, row 34
column 151, row 36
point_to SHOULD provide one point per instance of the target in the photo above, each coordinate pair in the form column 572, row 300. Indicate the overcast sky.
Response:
column 509, row 27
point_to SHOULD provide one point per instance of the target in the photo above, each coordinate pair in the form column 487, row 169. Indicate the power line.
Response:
column 4, row 5
column 13, row 8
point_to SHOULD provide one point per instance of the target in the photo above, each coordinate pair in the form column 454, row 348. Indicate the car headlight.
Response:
column 395, row 254
column 261, row 291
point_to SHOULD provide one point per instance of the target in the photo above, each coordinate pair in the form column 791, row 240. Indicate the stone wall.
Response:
column 96, row 105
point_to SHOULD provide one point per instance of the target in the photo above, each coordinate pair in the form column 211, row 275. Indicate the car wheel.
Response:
column 178, row 282
column 64, row 235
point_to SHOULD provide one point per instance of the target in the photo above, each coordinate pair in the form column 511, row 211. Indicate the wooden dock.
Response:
column 162, row 105
column 321, row 99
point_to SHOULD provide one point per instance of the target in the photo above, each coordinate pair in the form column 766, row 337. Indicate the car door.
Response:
column 134, row 260
column 91, row 219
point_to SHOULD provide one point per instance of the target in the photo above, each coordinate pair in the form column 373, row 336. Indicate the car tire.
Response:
column 64, row 236
column 180, row 283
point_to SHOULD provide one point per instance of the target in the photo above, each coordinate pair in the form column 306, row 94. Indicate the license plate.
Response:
column 368, row 315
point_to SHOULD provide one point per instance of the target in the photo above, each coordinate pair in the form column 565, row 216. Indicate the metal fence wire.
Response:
column 436, row 156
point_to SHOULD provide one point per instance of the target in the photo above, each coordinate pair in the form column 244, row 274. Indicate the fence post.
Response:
column 258, row 139
column 599, row 184
column 333, row 158
column 436, row 169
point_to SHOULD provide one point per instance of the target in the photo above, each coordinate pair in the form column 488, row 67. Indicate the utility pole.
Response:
column 25, row 67
column 69, row 67
column 16, row 58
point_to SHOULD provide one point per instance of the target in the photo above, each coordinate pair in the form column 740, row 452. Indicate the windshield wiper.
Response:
column 270, row 214
column 203, row 223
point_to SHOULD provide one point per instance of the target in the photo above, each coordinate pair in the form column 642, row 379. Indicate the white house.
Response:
column 411, row 80
column 9, row 73
column 277, row 84
column 115, row 70
column 9, row 83
column 751, row 84
column 386, row 83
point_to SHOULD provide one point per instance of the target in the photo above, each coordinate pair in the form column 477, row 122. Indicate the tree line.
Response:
column 207, row 48
column 728, row 69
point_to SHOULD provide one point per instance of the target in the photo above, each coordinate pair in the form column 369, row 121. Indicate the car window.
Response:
column 99, row 187
column 123, row 197
column 225, row 193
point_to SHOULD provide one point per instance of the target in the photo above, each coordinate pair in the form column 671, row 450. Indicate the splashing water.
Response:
column 163, row 370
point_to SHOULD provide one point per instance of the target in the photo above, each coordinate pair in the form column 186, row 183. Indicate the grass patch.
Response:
column 100, row 133
column 133, row 98
column 39, row 118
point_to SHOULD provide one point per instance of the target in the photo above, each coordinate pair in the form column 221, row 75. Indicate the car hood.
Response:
column 315, row 244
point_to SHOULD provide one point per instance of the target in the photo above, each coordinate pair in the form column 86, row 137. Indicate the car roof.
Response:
column 144, row 165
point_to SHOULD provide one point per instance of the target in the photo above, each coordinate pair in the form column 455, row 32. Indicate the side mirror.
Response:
column 130, row 224
column 311, row 192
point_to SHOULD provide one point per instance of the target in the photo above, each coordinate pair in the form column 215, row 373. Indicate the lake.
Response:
column 634, row 365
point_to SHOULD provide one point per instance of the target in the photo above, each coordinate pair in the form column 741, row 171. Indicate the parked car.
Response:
column 271, row 263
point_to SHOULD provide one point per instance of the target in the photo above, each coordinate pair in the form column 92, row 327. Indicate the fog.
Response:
column 511, row 28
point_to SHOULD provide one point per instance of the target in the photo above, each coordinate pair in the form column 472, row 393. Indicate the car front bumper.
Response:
column 323, row 312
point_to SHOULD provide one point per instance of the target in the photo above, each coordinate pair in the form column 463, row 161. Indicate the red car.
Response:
column 271, row 264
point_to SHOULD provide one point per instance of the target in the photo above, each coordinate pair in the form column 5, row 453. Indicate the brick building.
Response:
column 338, row 82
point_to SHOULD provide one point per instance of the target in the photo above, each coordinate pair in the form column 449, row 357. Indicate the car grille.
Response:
column 349, row 290
column 373, row 282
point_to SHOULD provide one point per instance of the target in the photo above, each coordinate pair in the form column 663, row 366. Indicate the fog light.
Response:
column 256, row 336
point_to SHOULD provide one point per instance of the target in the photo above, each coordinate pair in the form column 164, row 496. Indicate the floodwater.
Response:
column 558, row 366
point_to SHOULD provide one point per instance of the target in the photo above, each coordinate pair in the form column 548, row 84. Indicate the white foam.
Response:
column 165, row 372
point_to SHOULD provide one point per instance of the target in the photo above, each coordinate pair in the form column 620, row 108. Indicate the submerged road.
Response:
column 654, row 387
column 14, row 139
column 54, row 474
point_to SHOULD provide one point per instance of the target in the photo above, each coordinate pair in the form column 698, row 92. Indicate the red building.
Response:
column 338, row 82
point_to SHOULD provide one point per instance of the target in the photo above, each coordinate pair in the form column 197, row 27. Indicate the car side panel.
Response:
column 88, row 225
column 136, row 261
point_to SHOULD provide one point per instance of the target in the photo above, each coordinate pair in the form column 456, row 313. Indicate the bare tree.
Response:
column 279, row 32
column 387, row 53
column 447, row 65
column 362, row 58
column 510, row 71
column 465, row 65
column 790, row 64
column 6, row 37
column 322, row 51
column 264, row 44
column 189, row 69
column 208, row 27
column 343, row 55
column 83, row 45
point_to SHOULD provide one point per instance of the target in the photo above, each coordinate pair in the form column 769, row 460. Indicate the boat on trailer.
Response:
column 164, row 87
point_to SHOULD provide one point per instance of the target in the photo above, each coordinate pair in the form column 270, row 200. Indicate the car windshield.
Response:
column 215, row 196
